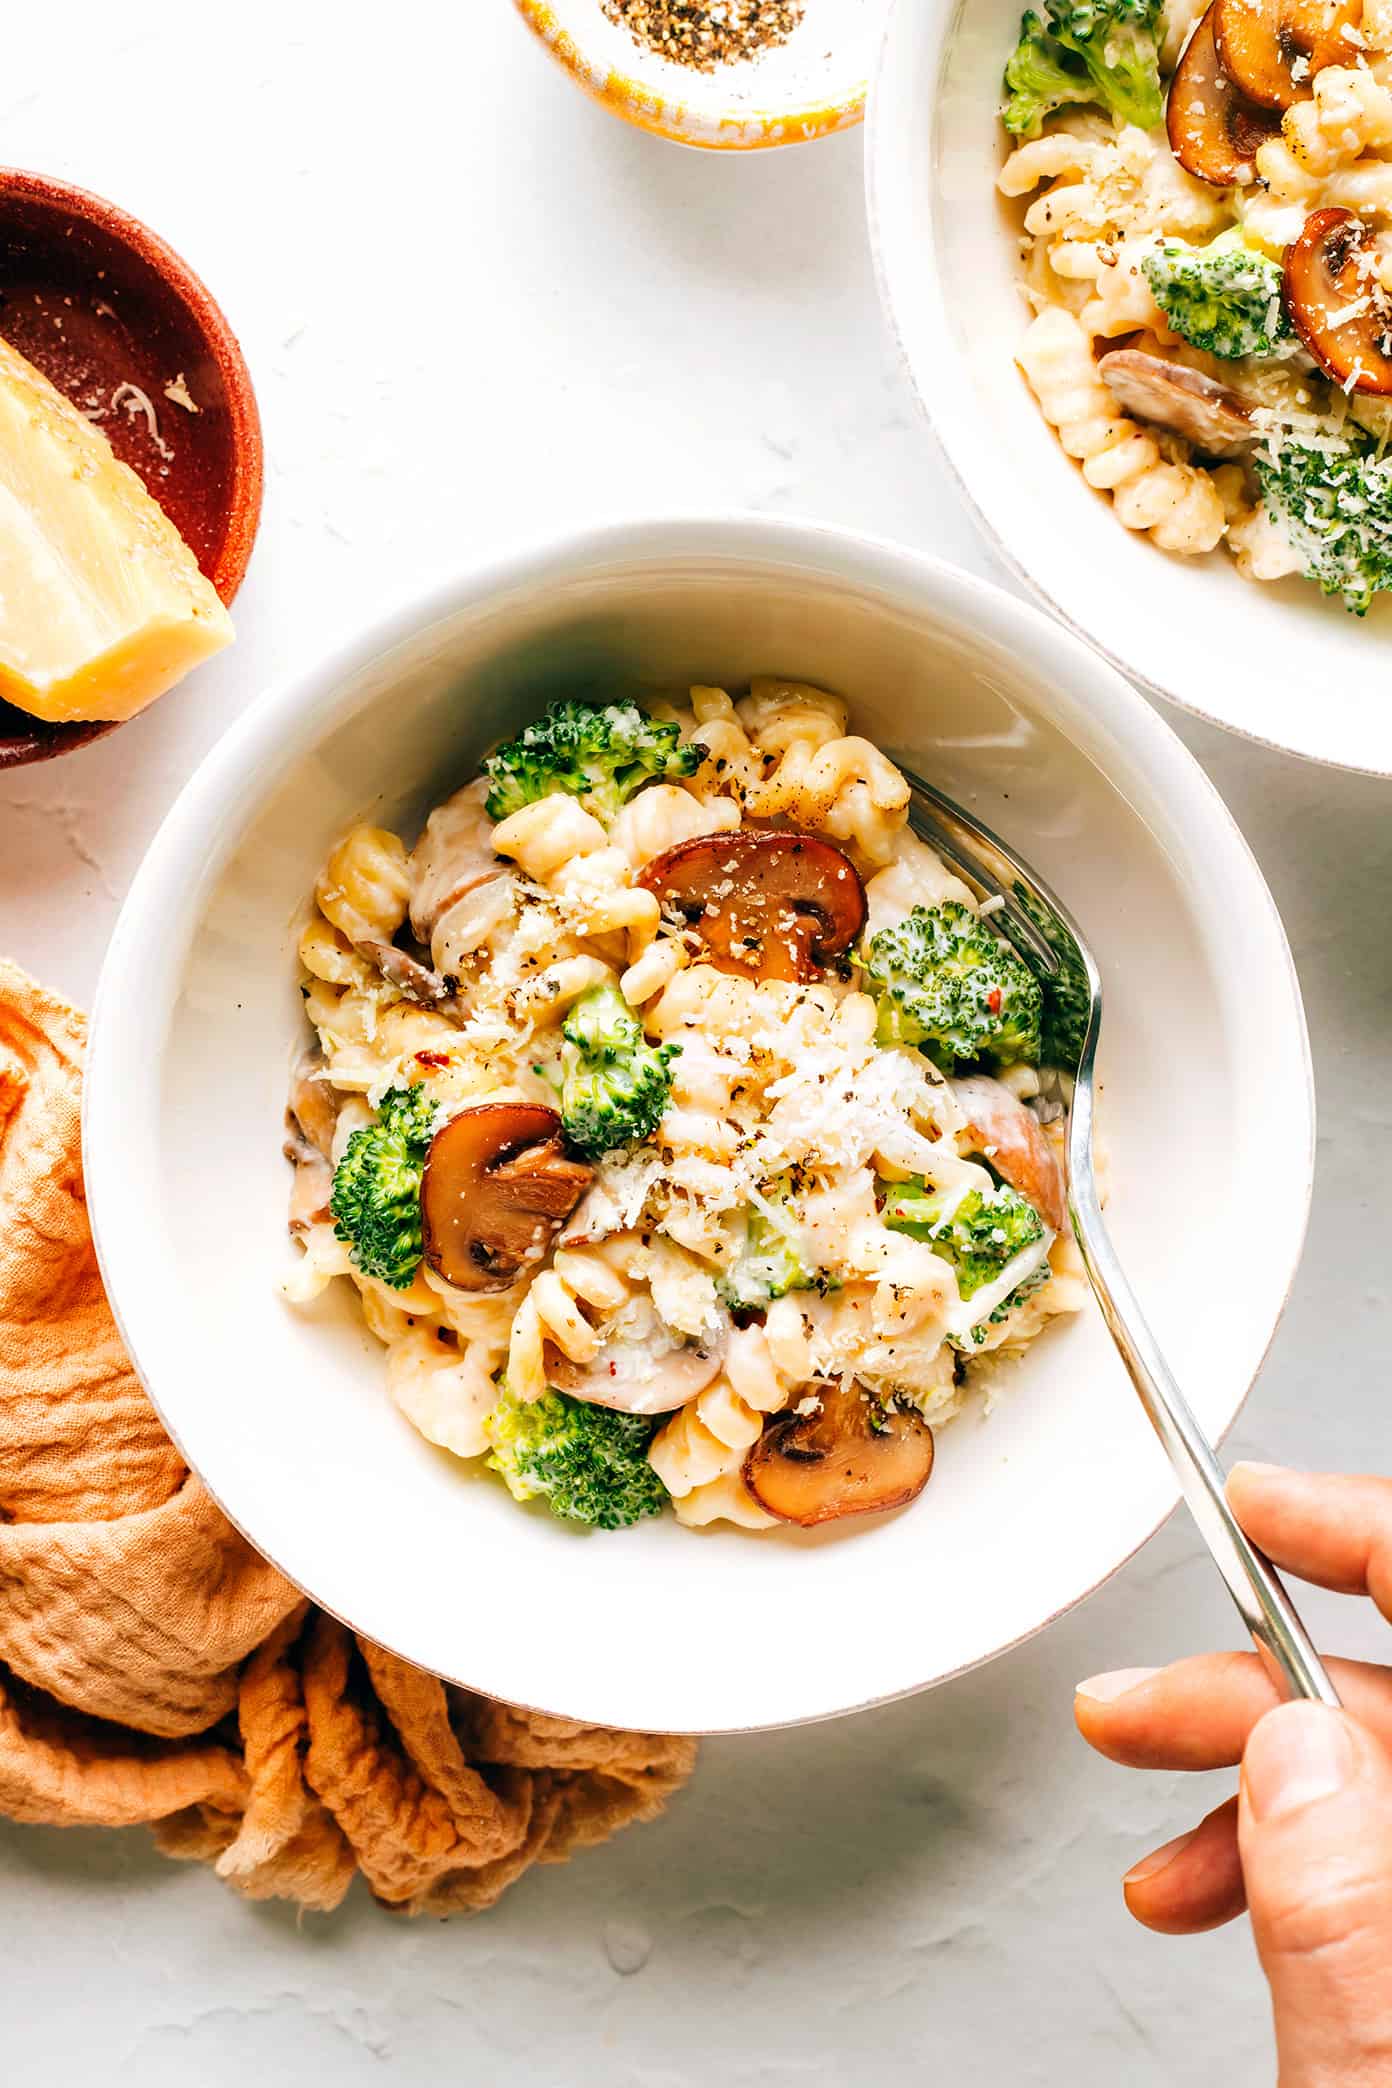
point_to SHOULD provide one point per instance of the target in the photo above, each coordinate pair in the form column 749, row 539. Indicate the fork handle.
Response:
column 1253, row 1582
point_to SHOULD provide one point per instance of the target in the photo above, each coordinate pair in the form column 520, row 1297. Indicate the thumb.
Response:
column 1315, row 1831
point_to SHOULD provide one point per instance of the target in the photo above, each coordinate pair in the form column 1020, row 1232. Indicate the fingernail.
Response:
column 1150, row 1866
column 1262, row 1471
column 1297, row 1755
column 1107, row 1688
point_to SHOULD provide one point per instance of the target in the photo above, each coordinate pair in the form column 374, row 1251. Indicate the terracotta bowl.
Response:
column 98, row 302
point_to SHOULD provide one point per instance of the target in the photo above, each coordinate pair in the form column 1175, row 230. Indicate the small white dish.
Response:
column 285, row 1413
column 811, row 84
column 1277, row 663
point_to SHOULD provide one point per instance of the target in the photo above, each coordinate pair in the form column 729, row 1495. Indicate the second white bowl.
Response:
column 1276, row 662
column 286, row 1414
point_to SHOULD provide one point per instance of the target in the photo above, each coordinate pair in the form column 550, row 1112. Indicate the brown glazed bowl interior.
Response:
column 114, row 318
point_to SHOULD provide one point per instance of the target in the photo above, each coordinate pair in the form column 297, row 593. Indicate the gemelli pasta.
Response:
column 677, row 1117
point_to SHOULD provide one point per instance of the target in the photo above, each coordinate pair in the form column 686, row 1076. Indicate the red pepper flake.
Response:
column 993, row 1001
column 432, row 1058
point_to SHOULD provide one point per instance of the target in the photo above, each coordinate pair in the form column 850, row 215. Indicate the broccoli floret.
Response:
column 1026, row 1288
column 1224, row 297
column 376, row 1187
column 1118, row 42
column 1103, row 51
column 588, row 1463
column 978, row 1234
column 769, row 1265
column 1041, row 77
column 945, row 983
column 602, row 1026
column 1066, row 994
column 1334, row 504
column 599, row 752
column 1067, row 1002
column 614, row 1084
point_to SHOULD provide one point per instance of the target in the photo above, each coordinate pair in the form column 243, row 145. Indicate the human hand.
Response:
column 1306, row 1845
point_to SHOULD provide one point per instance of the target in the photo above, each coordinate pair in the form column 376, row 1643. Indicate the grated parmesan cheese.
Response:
column 129, row 399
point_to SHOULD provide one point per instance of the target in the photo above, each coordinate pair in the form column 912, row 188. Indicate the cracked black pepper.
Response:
column 706, row 33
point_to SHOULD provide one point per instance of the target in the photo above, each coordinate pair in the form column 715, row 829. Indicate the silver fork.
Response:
column 1026, row 912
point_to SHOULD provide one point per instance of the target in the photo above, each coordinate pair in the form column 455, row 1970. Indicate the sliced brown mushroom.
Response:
column 1215, row 131
column 1011, row 1137
column 1206, row 413
column 1272, row 49
column 311, row 1118
column 313, row 1105
column 1337, row 303
column 459, row 886
column 497, row 1185
column 850, row 1456
column 642, row 1376
column 409, row 976
column 774, row 905
column 311, row 1188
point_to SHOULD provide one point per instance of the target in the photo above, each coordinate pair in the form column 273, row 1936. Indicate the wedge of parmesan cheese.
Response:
column 102, row 605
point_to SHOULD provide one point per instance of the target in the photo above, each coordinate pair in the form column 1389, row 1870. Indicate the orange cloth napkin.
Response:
column 155, row 1669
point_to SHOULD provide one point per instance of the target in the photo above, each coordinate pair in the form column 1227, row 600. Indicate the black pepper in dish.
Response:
column 703, row 34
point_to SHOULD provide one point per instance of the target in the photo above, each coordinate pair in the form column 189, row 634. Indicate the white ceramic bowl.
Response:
column 806, row 87
column 286, row 1413
column 1278, row 663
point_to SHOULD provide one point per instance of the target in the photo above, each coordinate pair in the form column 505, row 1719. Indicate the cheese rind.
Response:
column 102, row 604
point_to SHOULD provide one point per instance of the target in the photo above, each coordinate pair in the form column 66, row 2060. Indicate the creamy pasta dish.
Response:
column 687, row 1132
column 1207, row 254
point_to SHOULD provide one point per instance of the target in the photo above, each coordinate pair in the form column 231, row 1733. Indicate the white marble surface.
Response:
column 476, row 306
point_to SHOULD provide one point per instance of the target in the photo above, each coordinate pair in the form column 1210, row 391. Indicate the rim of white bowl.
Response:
column 961, row 441
column 206, row 819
